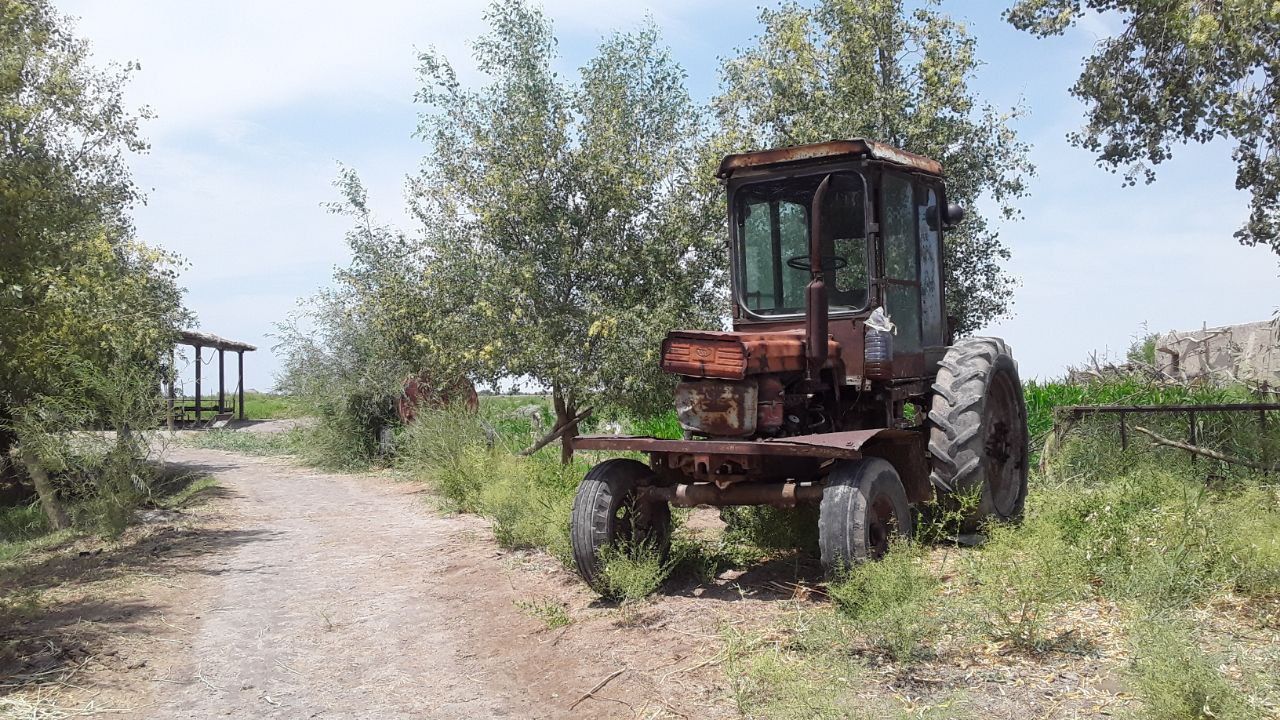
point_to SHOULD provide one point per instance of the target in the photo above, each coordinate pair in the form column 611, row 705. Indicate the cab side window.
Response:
column 901, row 280
column 929, row 221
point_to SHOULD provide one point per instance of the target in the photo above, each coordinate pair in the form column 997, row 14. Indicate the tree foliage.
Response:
column 347, row 354
column 566, row 219
column 1180, row 71
column 77, row 290
column 74, row 284
column 855, row 68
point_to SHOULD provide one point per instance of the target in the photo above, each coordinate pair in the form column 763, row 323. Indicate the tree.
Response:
column 567, row 216
column 76, row 289
column 1180, row 71
column 348, row 353
column 870, row 68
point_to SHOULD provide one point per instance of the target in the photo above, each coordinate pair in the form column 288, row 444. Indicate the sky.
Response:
column 257, row 102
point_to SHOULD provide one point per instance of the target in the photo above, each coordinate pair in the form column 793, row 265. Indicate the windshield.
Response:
column 773, row 227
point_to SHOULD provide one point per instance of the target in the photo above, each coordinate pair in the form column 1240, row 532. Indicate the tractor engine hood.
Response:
column 735, row 355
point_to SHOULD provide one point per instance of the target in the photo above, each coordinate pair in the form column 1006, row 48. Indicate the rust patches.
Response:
column 714, row 357
column 721, row 408
column 734, row 356
column 830, row 150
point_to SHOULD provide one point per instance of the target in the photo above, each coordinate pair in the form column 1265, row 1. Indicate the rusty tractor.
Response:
column 841, row 384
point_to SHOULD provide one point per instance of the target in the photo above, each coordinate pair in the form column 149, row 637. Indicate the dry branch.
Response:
column 599, row 685
column 1159, row 440
column 557, row 432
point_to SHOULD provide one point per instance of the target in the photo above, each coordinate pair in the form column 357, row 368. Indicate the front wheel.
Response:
column 864, row 509
column 608, row 509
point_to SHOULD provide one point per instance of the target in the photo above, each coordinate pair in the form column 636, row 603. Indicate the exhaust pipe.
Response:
column 815, row 293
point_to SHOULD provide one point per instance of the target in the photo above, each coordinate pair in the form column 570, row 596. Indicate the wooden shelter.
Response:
column 199, row 341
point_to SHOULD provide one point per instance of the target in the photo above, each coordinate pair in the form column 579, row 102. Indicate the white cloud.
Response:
column 257, row 100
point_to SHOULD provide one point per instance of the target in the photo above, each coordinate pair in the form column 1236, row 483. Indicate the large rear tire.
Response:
column 608, row 509
column 978, row 434
column 864, row 508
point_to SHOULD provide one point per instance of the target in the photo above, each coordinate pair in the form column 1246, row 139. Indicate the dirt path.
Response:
column 320, row 595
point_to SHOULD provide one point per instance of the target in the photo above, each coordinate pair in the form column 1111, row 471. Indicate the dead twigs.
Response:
column 598, row 687
column 1214, row 454
column 561, row 430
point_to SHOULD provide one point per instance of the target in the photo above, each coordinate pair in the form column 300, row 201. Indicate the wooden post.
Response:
column 240, row 382
column 173, row 377
column 222, row 379
column 198, row 364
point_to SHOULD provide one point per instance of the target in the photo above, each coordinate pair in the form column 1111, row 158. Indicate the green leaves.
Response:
column 1180, row 72
column 567, row 213
column 874, row 69
column 76, row 289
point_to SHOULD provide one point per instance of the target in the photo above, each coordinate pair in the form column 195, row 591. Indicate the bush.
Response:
column 530, row 501
column 632, row 572
column 891, row 601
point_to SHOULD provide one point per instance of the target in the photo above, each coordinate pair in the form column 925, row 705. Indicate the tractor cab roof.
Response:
column 832, row 150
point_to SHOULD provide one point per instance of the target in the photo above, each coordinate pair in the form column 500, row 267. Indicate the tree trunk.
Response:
column 566, row 413
column 48, row 494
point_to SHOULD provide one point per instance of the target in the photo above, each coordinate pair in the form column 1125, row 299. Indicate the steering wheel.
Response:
column 829, row 262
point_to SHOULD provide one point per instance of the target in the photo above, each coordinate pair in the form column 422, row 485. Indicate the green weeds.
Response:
column 632, row 572
column 289, row 442
column 1175, row 680
column 552, row 614
column 891, row 602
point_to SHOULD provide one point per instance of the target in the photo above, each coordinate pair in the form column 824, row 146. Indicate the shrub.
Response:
column 530, row 501
column 632, row 571
column 891, row 601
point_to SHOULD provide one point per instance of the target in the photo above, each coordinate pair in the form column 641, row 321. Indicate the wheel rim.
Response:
column 882, row 525
column 633, row 520
column 1004, row 446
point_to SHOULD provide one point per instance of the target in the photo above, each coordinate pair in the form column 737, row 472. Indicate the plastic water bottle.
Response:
column 878, row 346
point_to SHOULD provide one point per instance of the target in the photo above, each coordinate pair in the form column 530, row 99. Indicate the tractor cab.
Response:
column 872, row 236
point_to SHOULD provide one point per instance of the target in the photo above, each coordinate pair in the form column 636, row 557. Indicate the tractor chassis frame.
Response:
column 782, row 472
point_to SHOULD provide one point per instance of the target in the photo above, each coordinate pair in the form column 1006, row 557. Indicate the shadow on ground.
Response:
column 60, row 607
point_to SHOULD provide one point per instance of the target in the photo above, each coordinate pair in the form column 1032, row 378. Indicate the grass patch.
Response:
column 551, row 613
column 270, row 406
column 24, row 529
column 1174, row 679
column 289, row 442
column 891, row 602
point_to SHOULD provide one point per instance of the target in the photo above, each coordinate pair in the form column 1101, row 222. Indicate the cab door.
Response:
column 910, row 282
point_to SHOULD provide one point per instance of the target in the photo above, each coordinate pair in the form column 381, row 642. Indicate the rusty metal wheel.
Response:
column 978, row 434
column 608, row 509
column 864, row 508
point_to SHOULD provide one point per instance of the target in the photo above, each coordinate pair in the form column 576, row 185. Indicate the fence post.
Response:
column 1192, row 438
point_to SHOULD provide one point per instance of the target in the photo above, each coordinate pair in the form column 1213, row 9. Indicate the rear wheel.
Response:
column 978, row 438
column 608, row 508
column 864, row 508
